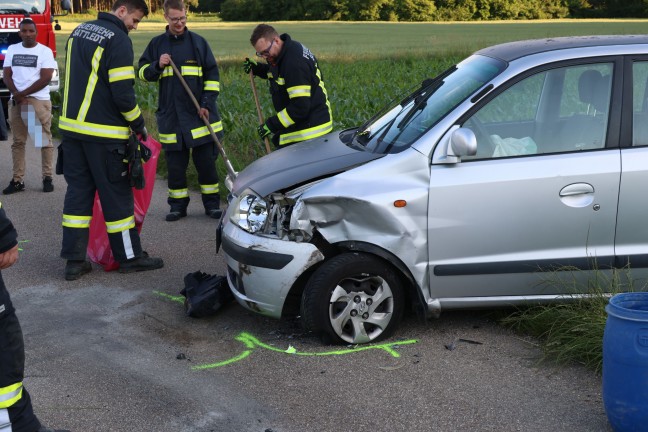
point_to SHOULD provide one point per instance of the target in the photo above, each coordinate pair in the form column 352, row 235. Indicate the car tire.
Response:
column 353, row 298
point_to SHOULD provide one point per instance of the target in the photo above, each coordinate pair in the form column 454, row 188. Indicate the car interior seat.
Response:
column 585, row 129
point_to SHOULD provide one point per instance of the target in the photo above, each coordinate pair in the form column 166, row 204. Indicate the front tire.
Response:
column 353, row 298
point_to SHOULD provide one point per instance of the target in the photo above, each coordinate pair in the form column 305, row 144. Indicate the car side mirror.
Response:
column 463, row 142
column 66, row 5
column 457, row 142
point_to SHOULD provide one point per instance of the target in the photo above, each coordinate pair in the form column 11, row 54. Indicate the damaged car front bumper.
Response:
column 261, row 270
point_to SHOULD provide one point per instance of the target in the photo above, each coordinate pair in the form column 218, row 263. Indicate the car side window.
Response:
column 640, row 104
column 554, row 111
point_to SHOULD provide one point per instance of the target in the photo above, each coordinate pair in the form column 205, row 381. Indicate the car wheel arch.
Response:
column 413, row 293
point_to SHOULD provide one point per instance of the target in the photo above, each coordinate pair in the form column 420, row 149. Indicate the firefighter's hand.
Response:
column 264, row 131
column 165, row 60
column 142, row 134
column 203, row 113
column 250, row 65
column 7, row 259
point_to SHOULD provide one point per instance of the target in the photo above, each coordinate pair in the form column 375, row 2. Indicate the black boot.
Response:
column 75, row 269
column 141, row 263
column 175, row 215
column 178, row 208
column 214, row 213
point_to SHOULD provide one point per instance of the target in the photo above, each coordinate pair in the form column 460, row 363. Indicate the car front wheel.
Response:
column 353, row 298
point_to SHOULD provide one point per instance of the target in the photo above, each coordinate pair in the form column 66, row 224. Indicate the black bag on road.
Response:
column 205, row 294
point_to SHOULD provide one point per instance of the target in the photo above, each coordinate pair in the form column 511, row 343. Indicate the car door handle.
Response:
column 576, row 189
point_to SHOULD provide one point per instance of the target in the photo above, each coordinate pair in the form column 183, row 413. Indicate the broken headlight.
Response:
column 250, row 212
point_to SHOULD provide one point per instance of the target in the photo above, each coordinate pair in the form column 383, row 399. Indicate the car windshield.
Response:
column 400, row 124
column 22, row 6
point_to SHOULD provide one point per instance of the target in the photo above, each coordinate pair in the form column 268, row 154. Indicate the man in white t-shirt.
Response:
column 28, row 69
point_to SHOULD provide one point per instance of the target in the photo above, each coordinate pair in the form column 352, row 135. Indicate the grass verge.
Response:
column 572, row 332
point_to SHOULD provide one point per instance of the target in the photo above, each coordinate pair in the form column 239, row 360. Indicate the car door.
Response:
column 632, row 227
column 540, row 196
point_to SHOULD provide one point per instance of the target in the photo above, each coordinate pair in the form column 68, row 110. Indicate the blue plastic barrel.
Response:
column 625, row 362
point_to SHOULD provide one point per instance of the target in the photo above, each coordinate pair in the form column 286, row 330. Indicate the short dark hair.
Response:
column 131, row 6
column 28, row 21
column 173, row 4
column 264, row 31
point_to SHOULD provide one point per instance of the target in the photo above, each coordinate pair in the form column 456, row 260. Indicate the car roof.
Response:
column 514, row 50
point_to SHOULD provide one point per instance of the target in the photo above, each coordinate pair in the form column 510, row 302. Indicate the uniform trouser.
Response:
column 89, row 167
column 32, row 119
column 16, row 413
column 204, row 159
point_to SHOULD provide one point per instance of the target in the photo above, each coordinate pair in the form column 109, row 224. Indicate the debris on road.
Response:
column 451, row 346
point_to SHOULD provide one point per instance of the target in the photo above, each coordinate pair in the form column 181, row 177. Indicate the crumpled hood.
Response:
column 300, row 163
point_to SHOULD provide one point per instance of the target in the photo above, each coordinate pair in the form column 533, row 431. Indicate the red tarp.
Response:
column 98, row 246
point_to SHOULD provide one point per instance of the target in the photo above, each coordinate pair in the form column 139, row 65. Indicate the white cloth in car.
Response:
column 513, row 146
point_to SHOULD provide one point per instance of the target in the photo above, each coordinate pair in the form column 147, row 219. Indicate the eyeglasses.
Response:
column 177, row 20
column 265, row 52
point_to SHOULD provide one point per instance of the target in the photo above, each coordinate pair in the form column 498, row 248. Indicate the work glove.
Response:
column 142, row 133
column 135, row 168
column 264, row 131
column 250, row 65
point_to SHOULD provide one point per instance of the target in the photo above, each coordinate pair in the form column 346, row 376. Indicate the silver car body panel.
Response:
column 352, row 206
column 464, row 234
column 320, row 157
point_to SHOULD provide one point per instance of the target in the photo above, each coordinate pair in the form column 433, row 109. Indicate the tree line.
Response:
column 395, row 10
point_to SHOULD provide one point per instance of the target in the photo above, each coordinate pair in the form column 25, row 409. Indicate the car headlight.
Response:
column 250, row 212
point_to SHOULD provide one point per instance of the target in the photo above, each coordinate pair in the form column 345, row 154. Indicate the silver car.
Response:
column 525, row 158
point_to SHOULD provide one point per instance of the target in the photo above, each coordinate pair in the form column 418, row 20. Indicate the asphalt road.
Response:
column 114, row 352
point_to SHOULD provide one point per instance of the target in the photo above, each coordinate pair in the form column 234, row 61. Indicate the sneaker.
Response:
column 214, row 213
column 47, row 184
column 175, row 215
column 75, row 269
column 14, row 187
column 142, row 263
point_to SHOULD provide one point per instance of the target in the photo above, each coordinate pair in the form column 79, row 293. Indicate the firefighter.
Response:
column 296, row 86
column 99, row 113
column 16, row 412
column 182, row 129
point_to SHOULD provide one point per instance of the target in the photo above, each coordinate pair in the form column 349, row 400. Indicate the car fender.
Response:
column 356, row 206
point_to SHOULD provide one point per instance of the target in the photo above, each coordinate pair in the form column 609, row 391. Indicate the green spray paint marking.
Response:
column 179, row 299
column 21, row 241
column 251, row 342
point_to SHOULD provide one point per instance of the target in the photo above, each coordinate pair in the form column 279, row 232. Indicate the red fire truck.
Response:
column 12, row 12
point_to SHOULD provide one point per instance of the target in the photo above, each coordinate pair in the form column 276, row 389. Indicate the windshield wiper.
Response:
column 420, row 102
column 362, row 135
